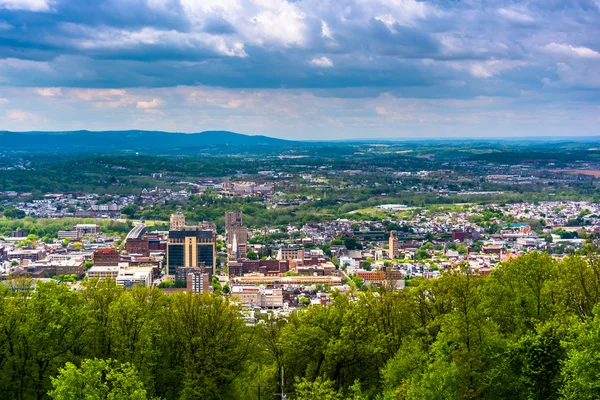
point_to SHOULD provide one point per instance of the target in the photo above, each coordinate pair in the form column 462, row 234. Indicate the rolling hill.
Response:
column 131, row 139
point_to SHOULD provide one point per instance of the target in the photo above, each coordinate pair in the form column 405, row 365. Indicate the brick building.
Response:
column 107, row 256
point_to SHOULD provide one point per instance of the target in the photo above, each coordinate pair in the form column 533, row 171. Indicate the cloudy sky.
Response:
column 313, row 69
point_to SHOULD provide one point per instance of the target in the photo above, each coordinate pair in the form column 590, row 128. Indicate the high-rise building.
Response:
column 233, row 218
column 236, row 234
column 393, row 247
column 191, row 246
column 177, row 221
column 107, row 256
column 198, row 282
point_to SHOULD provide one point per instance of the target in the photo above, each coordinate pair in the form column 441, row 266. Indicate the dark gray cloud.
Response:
column 404, row 43
column 400, row 60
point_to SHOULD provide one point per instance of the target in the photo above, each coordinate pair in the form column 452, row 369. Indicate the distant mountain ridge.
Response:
column 131, row 139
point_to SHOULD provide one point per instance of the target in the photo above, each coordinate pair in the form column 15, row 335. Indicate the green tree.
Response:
column 40, row 329
column 352, row 244
column 216, row 284
column 98, row 379
column 467, row 327
column 537, row 359
column 318, row 389
column 304, row 301
column 356, row 392
column 439, row 381
column 207, row 343
column 167, row 283
column 577, row 285
column 129, row 210
column 518, row 294
column 13, row 213
column 581, row 370
column 134, row 324
column 406, row 365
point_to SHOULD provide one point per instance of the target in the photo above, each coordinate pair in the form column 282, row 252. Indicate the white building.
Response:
column 87, row 229
column 73, row 235
column 349, row 262
column 135, row 276
column 104, row 272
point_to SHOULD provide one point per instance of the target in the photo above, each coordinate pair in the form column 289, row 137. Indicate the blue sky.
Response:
column 303, row 69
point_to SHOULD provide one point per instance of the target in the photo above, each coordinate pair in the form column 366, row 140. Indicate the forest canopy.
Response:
column 529, row 330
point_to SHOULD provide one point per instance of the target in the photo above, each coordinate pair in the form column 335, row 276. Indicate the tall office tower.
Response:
column 393, row 248
column 236, row 234
column 191, row 246
column 177, row 221
column 232, row 218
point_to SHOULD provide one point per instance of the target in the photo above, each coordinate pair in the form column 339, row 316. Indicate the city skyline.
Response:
column 303, row 70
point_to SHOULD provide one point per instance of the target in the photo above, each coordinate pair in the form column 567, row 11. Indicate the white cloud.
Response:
column 87, row 38
column 235, row 49
column 99, row 94
column 577, row 75
column 283, row 23
column 26, row 5
column 325, row 31
column 235, row 103
column 198, row 8
column 388, row 20
column 481, row 70
column 478, row 69
column 257, row 22
column 154, row 103
column 402, row 12
column 487, row 69
column 323, row 62
column 520, row 15
column 49, row 91
column 22, row 116
column 572, row 51
column 381, row 110
column 103, row 98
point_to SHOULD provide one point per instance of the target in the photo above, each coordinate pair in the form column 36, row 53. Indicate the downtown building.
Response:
column 140, row 242
column 393, row 245
column 236, row 234
column 191, row 247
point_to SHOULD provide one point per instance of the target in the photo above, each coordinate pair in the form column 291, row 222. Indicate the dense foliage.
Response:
column 179, row 346
column 530, row 330
column 49, row 227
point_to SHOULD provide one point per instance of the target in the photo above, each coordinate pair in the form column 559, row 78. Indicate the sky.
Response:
column 303, row 69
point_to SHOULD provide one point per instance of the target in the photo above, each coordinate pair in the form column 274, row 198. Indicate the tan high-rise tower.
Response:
column 393, row 247
column 177, row 221
column 191, row 247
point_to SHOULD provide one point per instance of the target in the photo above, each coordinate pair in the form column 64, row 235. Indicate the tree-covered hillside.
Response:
column 530, row 330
